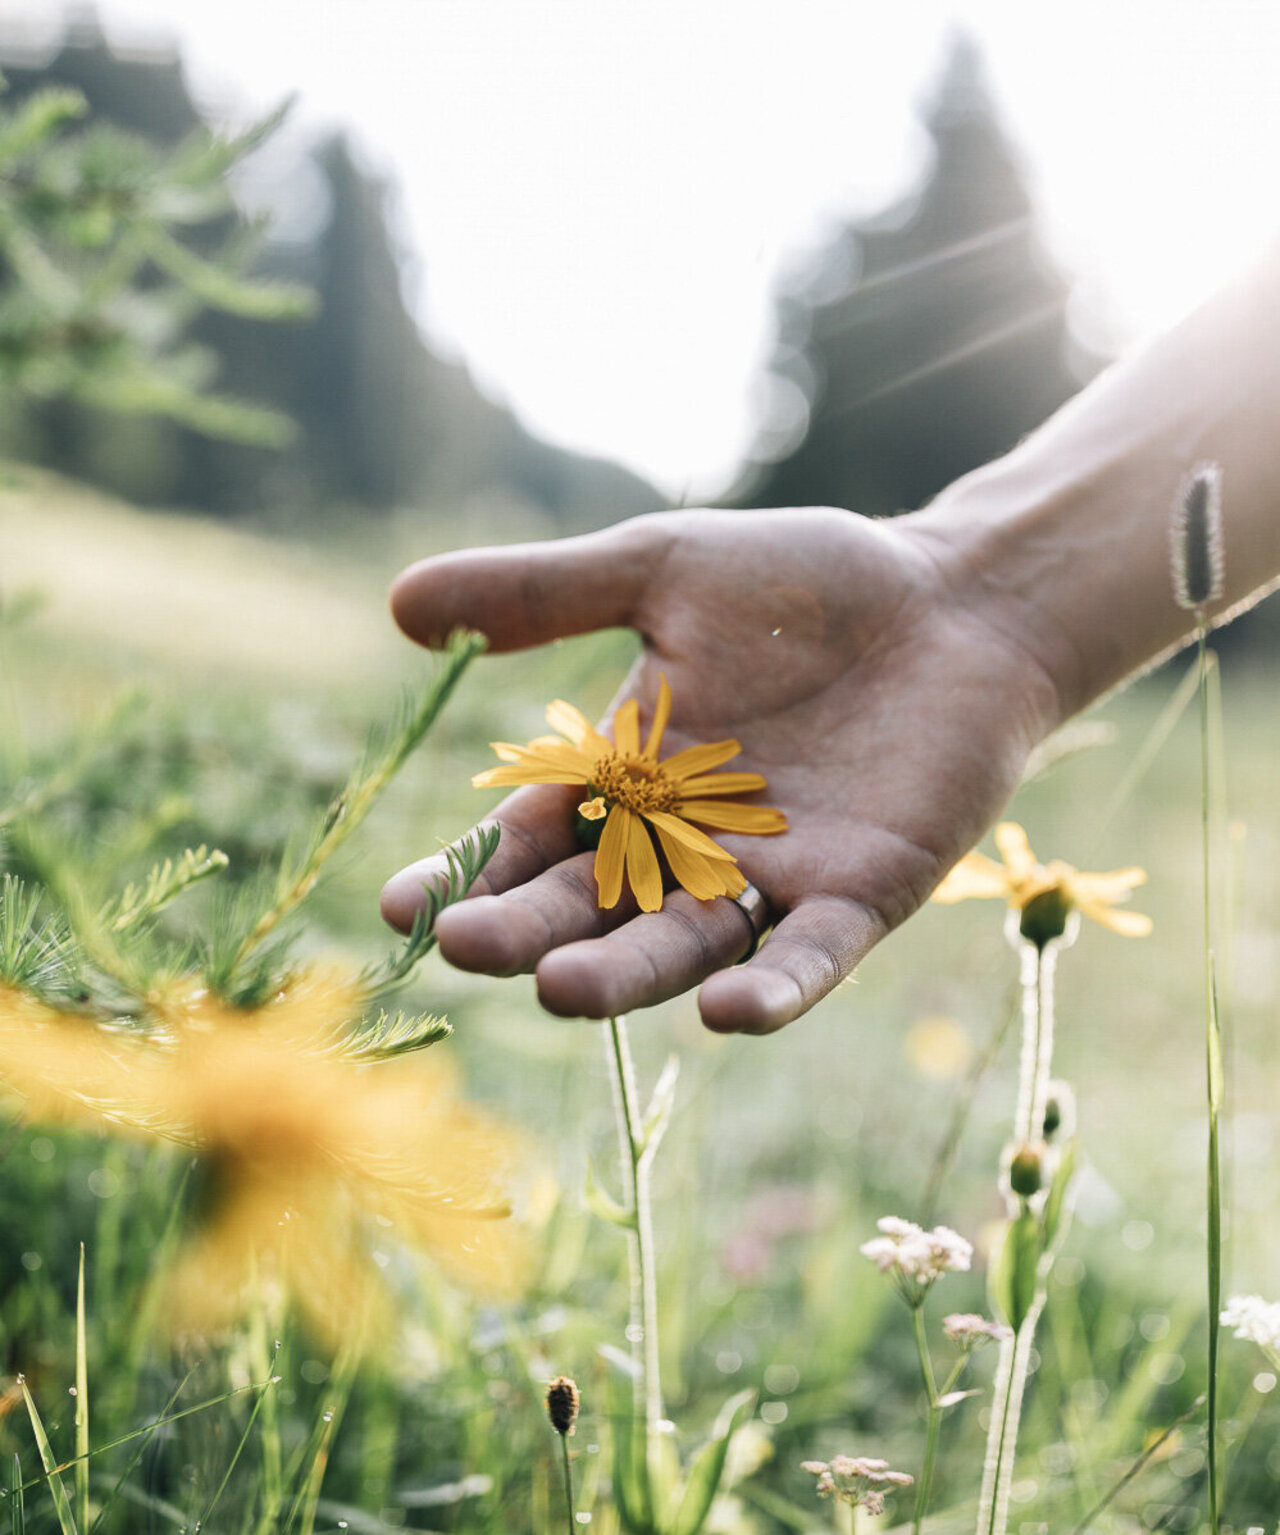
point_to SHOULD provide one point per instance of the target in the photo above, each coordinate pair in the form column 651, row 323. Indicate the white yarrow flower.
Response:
column 914, row 1258
column 1255, row 1320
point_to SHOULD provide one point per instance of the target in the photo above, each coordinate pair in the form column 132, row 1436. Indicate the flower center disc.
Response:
column 635, row 782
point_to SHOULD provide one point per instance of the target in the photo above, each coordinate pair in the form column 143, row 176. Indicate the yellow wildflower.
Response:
column 1049, row 892
column 298, row 1146
column 637, row 795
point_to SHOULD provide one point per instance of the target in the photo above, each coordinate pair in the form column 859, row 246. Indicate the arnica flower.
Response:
column 638, row 797
column 301, row 1153
column 1044, row 895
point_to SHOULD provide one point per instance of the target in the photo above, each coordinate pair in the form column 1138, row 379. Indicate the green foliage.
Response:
column 100, row 275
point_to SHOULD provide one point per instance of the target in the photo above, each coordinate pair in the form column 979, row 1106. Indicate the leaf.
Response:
column 1056, row 1204
column 703, row 1481
column 164, row 883
column 658, row 1115
column 632, row 1492
column 600, row 1202
column 395, row 1034
column 1015, row 1274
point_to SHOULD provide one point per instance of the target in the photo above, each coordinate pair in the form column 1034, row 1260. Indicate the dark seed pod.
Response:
column 562, row 1404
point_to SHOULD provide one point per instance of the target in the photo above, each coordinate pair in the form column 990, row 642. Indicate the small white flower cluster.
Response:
column 970, row 1331
column 913, row 1257
column 1255, row 1320
column 861, row 1481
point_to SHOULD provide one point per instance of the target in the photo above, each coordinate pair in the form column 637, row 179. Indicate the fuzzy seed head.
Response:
column 562, row 1404
column 1196, row 538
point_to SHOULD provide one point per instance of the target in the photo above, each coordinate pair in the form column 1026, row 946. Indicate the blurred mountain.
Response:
column 924, row 341
column 383, row 421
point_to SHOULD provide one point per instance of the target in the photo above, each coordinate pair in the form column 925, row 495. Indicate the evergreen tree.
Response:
column 929, row 339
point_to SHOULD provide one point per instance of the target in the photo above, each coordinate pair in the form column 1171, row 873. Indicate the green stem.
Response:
column 1038, row 964
column 925, row 1486
column 643, row 1331
column 936, row 1398
column 568, row 1484
column 1213, row 1084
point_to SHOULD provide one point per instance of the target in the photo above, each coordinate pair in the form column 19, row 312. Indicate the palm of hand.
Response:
column 890, row 723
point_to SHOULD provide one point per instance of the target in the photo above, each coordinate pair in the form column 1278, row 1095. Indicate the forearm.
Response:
column 1067, row 537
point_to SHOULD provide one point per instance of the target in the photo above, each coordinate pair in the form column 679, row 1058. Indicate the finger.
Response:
column 508, row 934
column 527, row 594
column 536, row 833
column 654, row 957
column 810, row 951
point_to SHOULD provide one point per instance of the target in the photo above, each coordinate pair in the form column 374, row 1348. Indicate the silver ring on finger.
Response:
column 755, row 908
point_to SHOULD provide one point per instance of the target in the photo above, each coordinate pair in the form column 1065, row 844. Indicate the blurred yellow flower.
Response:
column 635, row 794
column 1056, row 888
column 938, row 1047
column 299, row 1147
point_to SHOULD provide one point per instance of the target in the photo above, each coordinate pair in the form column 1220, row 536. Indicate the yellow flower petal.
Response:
column 699, row 759
column 593, row 809
column 572, row 723
column 1106, row 887
column 660, row 717
column 696, row 841
column 975, row 875
column 702, row 877
column 611, row 856
column 722, row 783
column 1015, row 850
column 626, row 728
column 513, row 777
column 546, row 751
column 643, row 871
column 1129, row 924
column 756, row 820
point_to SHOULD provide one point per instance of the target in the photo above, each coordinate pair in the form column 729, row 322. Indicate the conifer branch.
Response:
column 384, row 756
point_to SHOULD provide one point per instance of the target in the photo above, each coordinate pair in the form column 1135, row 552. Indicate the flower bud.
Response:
column 1044, row 917
column 1059, row 1112
column 562, row 1404
column 1026, row 1171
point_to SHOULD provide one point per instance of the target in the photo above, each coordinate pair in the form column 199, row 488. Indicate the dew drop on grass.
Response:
column 71, row 1390
column 327, row 1415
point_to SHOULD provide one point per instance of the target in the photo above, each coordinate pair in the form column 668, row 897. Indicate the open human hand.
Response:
column 890, row 710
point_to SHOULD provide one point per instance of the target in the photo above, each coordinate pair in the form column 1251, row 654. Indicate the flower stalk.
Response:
column 1196, row 545
column 636, row 1157
column 1037, row 1178
column 937, row 1402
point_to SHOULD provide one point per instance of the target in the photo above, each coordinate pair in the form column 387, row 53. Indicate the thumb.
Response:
column 527, row 594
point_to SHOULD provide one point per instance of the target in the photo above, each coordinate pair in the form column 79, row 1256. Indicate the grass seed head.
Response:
column 562, row 1404
column 1196, row 538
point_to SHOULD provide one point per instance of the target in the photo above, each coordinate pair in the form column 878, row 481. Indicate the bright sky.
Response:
column 605, row 193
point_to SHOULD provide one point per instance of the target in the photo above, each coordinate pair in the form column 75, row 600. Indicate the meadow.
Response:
column 258, row 665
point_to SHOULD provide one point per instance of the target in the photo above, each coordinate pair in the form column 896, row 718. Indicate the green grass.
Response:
column 263, row 663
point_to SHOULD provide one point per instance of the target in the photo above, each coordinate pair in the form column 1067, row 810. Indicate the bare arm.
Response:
column 889, row 679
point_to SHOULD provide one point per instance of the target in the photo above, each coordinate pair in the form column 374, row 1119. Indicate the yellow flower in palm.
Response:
column 639, row 798
column 1045, row 894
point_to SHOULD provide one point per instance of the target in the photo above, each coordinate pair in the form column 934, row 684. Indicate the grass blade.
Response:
column 17, row 1508
column 61, row 1502
column 82, row 1404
